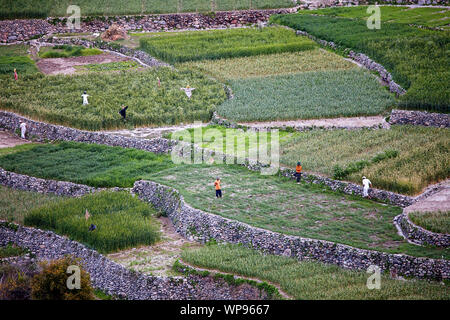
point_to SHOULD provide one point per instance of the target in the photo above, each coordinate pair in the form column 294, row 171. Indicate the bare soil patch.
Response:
column 9, row 140
column 53, row 66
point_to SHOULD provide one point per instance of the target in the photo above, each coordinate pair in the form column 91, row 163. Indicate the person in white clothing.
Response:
column 367, row 184
column 85, row 98
column 23, row 129
column 188, row 90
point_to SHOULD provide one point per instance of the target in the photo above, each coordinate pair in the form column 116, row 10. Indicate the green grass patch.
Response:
column 16, row 204
column 423, row 155
column 57, row 99
column 90, row 164
column 217, row 44
column 67, row 51
column 273, row 64
column 433, row 221
column 310, row 280
column 418, row 59
column 16, row 57
column 308, row 95
column 122, row 221
column 281, row 205
column 112, row 66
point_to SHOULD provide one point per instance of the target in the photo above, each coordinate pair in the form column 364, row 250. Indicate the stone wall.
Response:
column 116, row 280
column 418, row 235
column 420, row 118
column 202, row 226
column 41, row 131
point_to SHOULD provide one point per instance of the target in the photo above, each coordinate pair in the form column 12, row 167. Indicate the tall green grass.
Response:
column 122, row 221
column 218, row 44
column 66, row 51
column 307, row 95
column 16, row 57
column 418, row 59
column 423, row 155
column 57, row 99
column 16, row 204
column 91, row 164
column 13, row 9
column 434, row 221
column 309, row 280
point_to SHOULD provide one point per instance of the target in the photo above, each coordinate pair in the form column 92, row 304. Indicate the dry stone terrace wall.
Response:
column 420, row 118
column 41, row 131
column 202, row 226
column 419, row 235
column 116, row 280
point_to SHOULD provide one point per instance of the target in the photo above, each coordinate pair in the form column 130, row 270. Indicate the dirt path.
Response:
column 438, row 201
column 9, row 140
column 66, row 66
column 159, row 258
column 151, row 133
column 355, row 122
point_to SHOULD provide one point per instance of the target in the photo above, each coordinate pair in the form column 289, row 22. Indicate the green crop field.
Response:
column 307, row 95
column 309, row 280
column 16, row 204
column 434, row 221
column 57, row 99
column 66, row 51
column 271, row 65
column 423, row 155
column 429, row 17
column 281, row 205
column 15, row 57
column 12, row 9
column 122, row 221
column 418, row 59
column 91, row 164
column 217, row 44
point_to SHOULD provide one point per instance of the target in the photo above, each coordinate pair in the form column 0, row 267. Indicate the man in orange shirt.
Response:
column 218, row 190
column 298, row 171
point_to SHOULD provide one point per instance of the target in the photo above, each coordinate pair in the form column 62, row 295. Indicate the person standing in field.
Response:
column 85, row 98
column 123, row 112
column 218, row 189
column 366, row 185
column 23, row 129
column 298, row 171
column 16, row 77
column 188, row 90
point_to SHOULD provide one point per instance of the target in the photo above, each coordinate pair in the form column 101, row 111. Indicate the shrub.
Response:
column 51, row 283
column 15, row 284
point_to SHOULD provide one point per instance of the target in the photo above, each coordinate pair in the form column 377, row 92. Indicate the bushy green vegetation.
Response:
column 66, row 51
column 423, row 155
column 434, row 221
column 122, row 221
column 218, row 44
column 57, row 99
column 16, row 204
column 279, row 204
column 15, row 57
column 90, row 164
column 273, row 64
column 11, row 250
column 309, row 280
column 307, row 95
column 12, row 9
column 430, row 17
column 418, row 59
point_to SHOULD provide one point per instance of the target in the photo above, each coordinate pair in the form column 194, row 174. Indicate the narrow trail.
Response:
column 435, row 198
column 7, row 140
